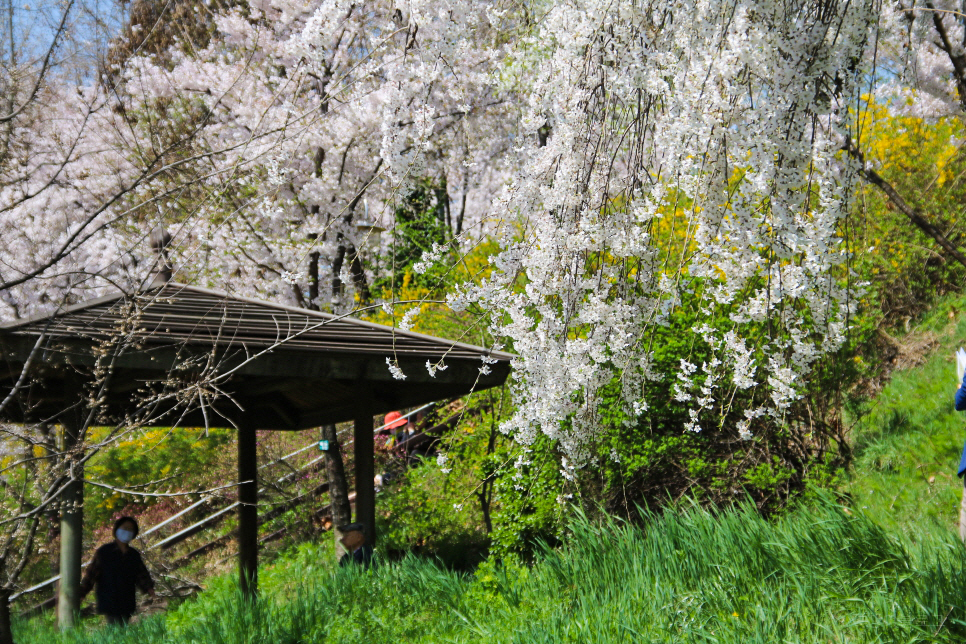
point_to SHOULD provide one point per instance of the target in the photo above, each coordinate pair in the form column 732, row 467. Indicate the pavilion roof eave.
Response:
column 498, row 355
column 13, row 325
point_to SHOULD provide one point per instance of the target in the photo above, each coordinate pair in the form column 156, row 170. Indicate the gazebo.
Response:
column 179, row 355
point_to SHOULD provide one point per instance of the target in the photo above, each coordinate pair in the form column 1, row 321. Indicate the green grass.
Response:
column 907, row 445
column 818, row 574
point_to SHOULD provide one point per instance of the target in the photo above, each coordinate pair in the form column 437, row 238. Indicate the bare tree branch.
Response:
column 915, row 217
column 44, row 68
column 955, row 54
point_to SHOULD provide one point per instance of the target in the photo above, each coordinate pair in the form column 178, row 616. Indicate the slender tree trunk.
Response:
column 314, row 280
column 485, row 497
column 53, row 511
column 486, row 489
column 338, row 486
column 442, row 198
column 10, row 89
column 359, row 275
column 485, row 494
column 71, row 529
column 459, row 218
column 337, row 269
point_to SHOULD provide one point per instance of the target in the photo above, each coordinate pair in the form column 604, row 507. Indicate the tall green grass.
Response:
column 819, row 574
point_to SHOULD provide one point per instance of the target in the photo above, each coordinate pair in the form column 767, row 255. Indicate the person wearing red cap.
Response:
column 385, row 437
column 386, row 441
column 393, row 420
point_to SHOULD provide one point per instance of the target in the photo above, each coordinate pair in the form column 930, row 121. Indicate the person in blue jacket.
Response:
column 961, row 406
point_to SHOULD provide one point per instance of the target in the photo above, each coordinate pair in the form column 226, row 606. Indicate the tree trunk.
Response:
column 6, row 629
column 53, row 512
column 485, row 494
column 337, row 269
column 314, row 280
column 359, row 275
column 347, row 253
column 71, row 530
column 338, row 486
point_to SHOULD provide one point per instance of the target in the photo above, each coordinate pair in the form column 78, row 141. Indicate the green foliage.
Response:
column 648, row 460
column 895, row 271
column 434, row 513
column 532, row 500
column 150, row 455
column 690, row 575
column 421, row 221
column 441, row 509
column 905, row 269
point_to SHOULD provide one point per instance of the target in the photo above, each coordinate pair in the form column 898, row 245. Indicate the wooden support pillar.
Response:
column 364, row 445
column 71, row 529
column 248, row 510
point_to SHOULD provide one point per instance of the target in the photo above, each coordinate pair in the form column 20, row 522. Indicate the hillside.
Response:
column 888, row 568
column 908, row 439
column 818, row 574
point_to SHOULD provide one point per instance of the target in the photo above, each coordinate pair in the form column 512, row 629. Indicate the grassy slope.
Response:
column 894, row 572
column 819, row 574
column 908, row 444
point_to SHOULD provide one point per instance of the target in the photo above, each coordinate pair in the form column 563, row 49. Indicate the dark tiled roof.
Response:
column 177, row 313
column 285, row 368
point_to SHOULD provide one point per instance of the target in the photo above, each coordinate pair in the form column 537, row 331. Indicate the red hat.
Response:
column 394, row 419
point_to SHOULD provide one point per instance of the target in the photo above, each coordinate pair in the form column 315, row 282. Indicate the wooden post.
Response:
column 71, row 529
column 364, row 445
column 247, row 510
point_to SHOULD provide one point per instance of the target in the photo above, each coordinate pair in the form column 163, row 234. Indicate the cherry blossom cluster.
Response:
column 918, row 49
column 719, row 120
column 259, row 152
column 637, row 159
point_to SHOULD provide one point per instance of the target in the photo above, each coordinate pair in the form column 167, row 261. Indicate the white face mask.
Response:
column 124, row 536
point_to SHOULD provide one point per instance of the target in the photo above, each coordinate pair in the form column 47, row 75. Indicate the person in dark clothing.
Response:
column 116, row 571
column 354, row 541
